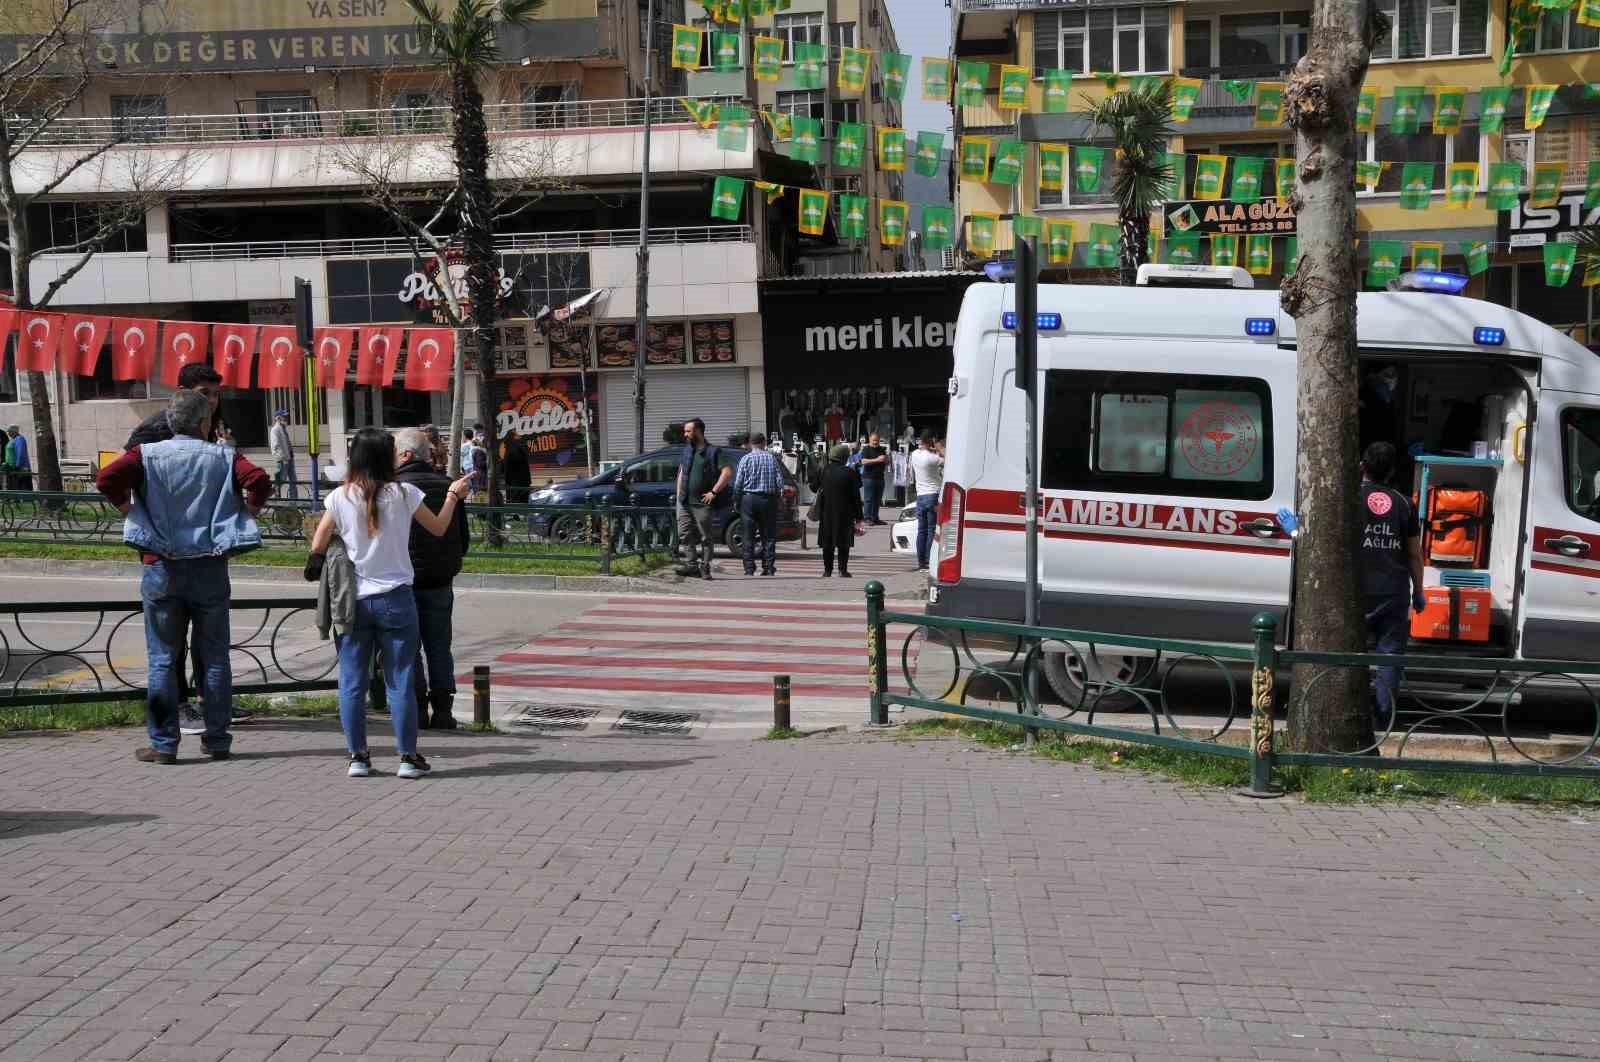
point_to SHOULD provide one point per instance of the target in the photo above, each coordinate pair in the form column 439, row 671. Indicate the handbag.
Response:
column 814, row 514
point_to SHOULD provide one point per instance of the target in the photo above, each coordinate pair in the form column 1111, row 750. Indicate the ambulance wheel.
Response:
column 1076, row 678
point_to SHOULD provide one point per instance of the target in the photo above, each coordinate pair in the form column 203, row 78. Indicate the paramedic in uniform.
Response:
column 1391, row 570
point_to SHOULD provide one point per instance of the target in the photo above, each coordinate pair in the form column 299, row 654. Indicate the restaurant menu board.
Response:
column 569, row 346
column 616, row 347
column 713, row 342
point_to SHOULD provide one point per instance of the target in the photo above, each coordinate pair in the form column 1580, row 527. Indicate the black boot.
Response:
column 441, row 717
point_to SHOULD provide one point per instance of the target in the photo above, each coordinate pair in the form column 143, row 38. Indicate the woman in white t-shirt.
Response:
column 373, row 514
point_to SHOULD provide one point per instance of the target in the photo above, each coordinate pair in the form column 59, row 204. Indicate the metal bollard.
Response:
column 780, row 702
column 480, row 697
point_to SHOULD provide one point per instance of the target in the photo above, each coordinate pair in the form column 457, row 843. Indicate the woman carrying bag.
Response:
column 372, row 515
column 838, row 510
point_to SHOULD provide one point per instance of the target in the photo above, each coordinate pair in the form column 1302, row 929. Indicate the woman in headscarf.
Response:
column 838, row 510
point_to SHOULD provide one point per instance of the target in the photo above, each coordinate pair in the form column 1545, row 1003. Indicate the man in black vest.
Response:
column 1391, row 570
column 436, row 562
column 704, row 475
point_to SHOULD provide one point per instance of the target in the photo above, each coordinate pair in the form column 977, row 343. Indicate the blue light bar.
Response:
column 1000, row 270
column 1047, row 322
column 1260, row 326
column 1429, row 280
column 1489, row 337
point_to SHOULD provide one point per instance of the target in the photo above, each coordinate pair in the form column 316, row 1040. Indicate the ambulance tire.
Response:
column 1067, row 674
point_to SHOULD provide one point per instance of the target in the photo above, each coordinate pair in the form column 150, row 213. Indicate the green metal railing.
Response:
column 1000, row 662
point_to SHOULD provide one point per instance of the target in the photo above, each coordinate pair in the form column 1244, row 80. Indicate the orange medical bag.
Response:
column 1454, row 614
column 1457, row 531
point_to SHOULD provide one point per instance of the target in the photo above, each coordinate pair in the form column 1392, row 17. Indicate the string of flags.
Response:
column 75, row 343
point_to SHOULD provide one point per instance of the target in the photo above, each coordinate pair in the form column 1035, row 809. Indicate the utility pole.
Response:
column 641, row 329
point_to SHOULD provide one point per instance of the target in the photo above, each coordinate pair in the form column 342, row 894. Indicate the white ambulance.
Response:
column 1167, row 449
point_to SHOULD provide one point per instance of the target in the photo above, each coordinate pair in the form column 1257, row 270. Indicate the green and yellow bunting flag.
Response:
column 1427, row 255
column 853, row 64
column 773, row 192
column 893, row 216
column 1240, row 89
column 1247, row 172
column 891, row 149
column 733, row 128
column 853, row 217
column 1283, row 178
column 1591, row 186
column 1460, row 185
column 704, row 112
column 807, row 139
column 1209, row 171
column 1591, row 89
column 1416, row 185
column 980, row 232
column 1058, row 241
column 724, row 51
column 1057, row 87
column 1177, row 166
column 1370, row 173
column 971, row 81
column 936, row 79
column 1052, row 167
column 1505, row 181
column 975, row 158
column 1407, row 117
column 782, row 126
column 1558, row 262
column 1537, row 104
column 685, row 47
column 937, row 222
column 729, row 10
column 1449, row 101
column 727, row 198
column 1181, row 248
column 1476, row 252
column 1383, row 262
column 1013, row 88
column 1101, row 252
column 1008, row 156
column 1258, row 256
column 1269, row 103
column 1185, row 92
column 1589, row 15
column 896, row 74
column 1492, row 105
column 1224, row 250
column 810, row 64
column 1546, row 183
column 849, row 143
column 813, row 211
column 1291, row 256
column 1027, row 225
column 930, row 152
column 1088, row 166
column 1367, row 111
column 1109, row 78
column 769, row 58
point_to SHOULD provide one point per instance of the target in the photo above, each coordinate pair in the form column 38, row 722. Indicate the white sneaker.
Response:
column 413, row 766
column 360, row 765
column 190, row 721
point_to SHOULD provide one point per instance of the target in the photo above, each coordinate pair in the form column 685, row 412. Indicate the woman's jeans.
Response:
column 387, row 623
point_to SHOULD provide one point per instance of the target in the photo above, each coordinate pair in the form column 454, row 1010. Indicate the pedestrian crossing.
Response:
column 869, row 559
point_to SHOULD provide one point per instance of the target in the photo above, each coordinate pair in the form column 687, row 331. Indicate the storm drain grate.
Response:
column 657, row 722
column 555, row 717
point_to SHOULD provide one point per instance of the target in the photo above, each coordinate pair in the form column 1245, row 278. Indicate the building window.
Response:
column 69, row 226
column 843, row 35
column 847, row 110
column 548, row 106
column 285, row 114
column 1555, row 34
column 796, row 29
column 807, row 104
column 1423, row 28
column 1069, row 197
column 1246, row 45
column 418, row 111
column 139, row 117
column 708, row 43
column 102, row 386
column 1572, row 139
column 1399, row 149
column 1130, row 40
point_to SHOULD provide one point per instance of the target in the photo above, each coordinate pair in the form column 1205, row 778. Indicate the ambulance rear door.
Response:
column 1561, row 603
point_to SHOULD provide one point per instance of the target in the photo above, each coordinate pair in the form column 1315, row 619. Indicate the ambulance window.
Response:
column 1580, row 433
column 1131, row 433
column 1219, row 435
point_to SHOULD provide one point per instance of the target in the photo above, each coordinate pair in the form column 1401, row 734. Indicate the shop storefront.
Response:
column 1517, row 276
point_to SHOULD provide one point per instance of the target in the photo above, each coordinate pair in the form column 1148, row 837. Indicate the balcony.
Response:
column 1216, row 101
column 514, row 241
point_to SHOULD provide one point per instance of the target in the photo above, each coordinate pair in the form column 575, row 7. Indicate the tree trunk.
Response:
column 1135, row 243
column 458, row 405
column 1328, row 709
column 46, row 454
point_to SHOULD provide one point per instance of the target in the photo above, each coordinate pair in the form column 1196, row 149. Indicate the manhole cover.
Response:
column 657, row 722
column 555, row 717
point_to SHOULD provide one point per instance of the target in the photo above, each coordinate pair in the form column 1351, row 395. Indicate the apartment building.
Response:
column 1432, row 43
column 269, row 101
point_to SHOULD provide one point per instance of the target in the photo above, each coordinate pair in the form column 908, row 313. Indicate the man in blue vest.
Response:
column 704, row 487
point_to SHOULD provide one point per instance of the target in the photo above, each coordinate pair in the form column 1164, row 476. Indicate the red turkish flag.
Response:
column 281, row 357
column 430, row 354
column 182, row 343
column 332, row 348
column 133, row 348
column 37, row 343
column 377, row 354
column 233, row 346
column 81, row 340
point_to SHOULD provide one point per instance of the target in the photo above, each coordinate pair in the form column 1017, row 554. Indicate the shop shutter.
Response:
column 717, row 396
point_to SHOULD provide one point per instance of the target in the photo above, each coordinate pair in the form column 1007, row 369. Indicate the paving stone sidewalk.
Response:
column 838, row 898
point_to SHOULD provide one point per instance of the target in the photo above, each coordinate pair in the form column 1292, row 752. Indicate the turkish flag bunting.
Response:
column 430, row 354
column 232, row 348
column 37, row 343
column 332, row 348
column 281, row 357
column 182, row 343
column 133, row 348
column 376, row 357
column 81, row 340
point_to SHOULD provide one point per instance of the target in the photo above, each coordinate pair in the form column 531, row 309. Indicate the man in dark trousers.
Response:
column 1391, row 571
column 436, row 562
column 757, row 482
column 704, row 486
column 516, row 470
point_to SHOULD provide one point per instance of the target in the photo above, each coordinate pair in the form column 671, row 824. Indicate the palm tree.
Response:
column 1139, row 123
column 464, row 40
column 1588, row 254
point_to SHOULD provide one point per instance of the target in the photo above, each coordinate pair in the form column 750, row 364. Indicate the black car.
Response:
column 649, row 480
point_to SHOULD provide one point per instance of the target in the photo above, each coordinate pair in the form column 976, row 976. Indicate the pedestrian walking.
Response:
column 874, row 466
column 372, row 514
column 757, row 482
column 435, row 563
column 479, row 466
column 190, row 505
column 282, row 453
column 704, row 474
column 927, row 473
column 466, row 450
column 838, row 511
column 517, row 470
column 440, row 457
column 1391, row 572
column 19, row 467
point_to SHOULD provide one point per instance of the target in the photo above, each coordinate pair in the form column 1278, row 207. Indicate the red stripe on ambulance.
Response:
column 1081, row 513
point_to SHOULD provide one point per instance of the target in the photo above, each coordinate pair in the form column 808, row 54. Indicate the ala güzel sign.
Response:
column 895, row 333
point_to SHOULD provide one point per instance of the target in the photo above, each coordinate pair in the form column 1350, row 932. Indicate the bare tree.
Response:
column 1328, row 710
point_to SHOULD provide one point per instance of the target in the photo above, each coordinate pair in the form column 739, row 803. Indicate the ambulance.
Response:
column 1167, row 445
